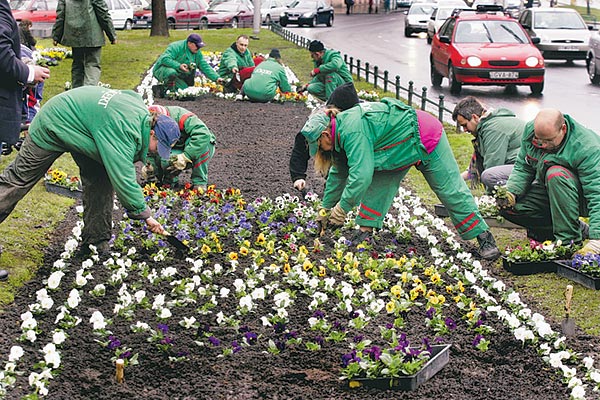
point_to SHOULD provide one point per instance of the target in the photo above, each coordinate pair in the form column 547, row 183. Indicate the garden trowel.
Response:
column 568, row 324
column 173, row 241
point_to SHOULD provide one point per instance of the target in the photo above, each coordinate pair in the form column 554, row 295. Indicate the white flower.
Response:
column 164, row 313
column 246, row 302
column 28, row 321
column 282, row 299
column 188, row 322
column 470, row 277
column 523, row 334
column 74, row 298
column 258, row 294
column 513, row 298
column 168, row 272
column 574, row 381
column 16, row 352
column 54, row 279
column 159, row 300
column 80, row 279
column 578, row 393
column 595, row 376
column 139, row 295
column 97, row 319
column 265, row 321
column 59, row 337
column 224, row 292
column 239, row 285
column 217, row 269
column 588, row 362
column 59, row 264
column 377, row 305
column 51, row 356
column 71, row 245
column 31, row 335
column 220, row 317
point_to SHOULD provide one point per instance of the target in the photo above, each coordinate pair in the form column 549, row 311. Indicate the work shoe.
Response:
column 102, row 249
column 362, row 236
column 229, row 87
column 585, row 230
column 487, row 246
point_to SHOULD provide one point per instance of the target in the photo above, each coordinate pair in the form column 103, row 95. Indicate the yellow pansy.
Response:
column 260, row 239
column 244, row 251
column 390, row 307
column 435, row 278
column 233, row 256
column 205, row 249
column 286, row 268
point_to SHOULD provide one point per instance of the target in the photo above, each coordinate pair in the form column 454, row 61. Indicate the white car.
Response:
column 416, row 18
column 270, row 10
column 121, row 13
column 563, row 34
column 593, row 59
column 440, row 14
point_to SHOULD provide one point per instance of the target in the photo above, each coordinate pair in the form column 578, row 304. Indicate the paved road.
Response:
column 379, row 39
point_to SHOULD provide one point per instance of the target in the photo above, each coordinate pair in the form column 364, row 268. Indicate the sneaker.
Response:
column 585, row 230
column 487, row 246
column 362, row 236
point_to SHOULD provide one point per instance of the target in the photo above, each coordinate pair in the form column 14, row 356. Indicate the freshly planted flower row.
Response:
column 256, row 277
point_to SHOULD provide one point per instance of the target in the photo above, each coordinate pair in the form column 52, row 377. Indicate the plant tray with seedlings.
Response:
column 440, row 356
column 528, row 267
column 63, row 191
column 564, row 268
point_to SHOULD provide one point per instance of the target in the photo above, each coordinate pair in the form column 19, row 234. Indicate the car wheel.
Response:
column 536, row 88
column 592, row 69
column 313, row 21
column 407, row 32
column 234, row 23
column 203, row 24
column 171, row 23
column 330, row 20
column 436, row 77
column 455, row 86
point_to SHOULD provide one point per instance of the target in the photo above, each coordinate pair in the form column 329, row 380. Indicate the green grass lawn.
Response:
column 29, row 228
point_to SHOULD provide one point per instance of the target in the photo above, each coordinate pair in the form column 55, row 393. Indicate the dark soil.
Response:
column 254, row 144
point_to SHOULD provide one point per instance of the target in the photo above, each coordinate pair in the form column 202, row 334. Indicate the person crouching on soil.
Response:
column 176, row 67
column 193, row 150
column 368, row 149
column 237, row 64
column 106, row 131
column 266, row 79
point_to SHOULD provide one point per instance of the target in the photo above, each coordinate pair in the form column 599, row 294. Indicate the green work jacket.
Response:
column 109, row 126
column 82, row 23
column 371, row 137
column 266, row 78
column 195, row 135
column 579, row 153
column 178, row 53
column 232, row 58
column 499, row 136
column 332, row 62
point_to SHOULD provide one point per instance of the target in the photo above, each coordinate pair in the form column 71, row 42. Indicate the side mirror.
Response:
column 536, row 40
column 432, row 18
column 405, row 12
column 445, row 39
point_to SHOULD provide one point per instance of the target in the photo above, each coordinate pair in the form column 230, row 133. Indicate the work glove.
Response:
column 303, row 88
column 147, row 174
column 337, row 217
column 300, row 184
column 592, row 246
column 322, row 218
column 178, row 163
column 507, row 200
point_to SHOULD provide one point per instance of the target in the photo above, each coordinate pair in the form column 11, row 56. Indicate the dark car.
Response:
column 180, row 14
column 307, row 12
column 230, row 14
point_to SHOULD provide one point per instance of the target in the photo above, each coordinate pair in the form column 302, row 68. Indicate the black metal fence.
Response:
column 371, row 74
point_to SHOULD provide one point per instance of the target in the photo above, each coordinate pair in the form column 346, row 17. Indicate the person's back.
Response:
column 500, row 135
column 266, row 79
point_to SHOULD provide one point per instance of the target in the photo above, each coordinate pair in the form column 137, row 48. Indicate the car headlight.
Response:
column 532, row 61
column 473, row 61
column 307, row 15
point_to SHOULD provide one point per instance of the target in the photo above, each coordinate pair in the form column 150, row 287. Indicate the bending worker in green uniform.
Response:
column 329, row 72
column 380, row 141
column 237, row 64
column 106, row 131
column 193, row 150
column 176, row 67
column 556, row 180
column 266, row 79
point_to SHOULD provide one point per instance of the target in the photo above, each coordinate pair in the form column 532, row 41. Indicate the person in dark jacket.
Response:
column 368, row 149
column 556, row 180
column 496, row 143
column 106, row 131
column 81, row 24
column 343, row 98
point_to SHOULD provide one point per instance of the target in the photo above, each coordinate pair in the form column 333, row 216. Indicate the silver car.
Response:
column 593, row 59
column 563, row 34
column 416, row 18
column 439, row 16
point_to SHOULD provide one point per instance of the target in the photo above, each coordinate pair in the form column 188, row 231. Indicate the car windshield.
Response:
column 420, row 9
column 489, row 32
column 170, row 5
column 304, row 4
column 444, row 13
column 223, row 7
column 18, row 5
column 557, row 20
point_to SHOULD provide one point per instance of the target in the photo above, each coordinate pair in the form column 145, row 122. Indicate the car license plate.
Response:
column 568, row 48
column 504, row 75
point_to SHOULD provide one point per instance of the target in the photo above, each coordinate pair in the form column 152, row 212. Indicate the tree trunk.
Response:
column 159, row 19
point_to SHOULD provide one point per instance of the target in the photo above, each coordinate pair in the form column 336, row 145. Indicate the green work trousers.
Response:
column 199, row 175
column 443, row 176
column 85, row 70
column 551, row 210
column 174, row 78
column 321, row 87
column 31, row 165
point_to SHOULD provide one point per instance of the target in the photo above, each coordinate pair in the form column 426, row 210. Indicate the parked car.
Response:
column 230, row 13
column 308, row 12
column 439, row 16
column 403, row 3
column 140, row 5
column 37, row 11
column 180, row 14
column 121, row 13
column 416, row 18
column 270, row 10
column 485, row 48
column 593, row 59
column 562, row 32
column 513, row 7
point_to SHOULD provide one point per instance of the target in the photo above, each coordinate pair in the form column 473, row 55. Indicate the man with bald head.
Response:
column 555, row 180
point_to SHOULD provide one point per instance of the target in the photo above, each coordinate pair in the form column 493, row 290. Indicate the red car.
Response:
column 485, row 47
column 230, row 14
column 37, row 11
column 187, row 14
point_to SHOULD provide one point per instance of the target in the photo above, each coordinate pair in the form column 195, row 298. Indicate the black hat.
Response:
column 316, row 45
column 275, row 54
column 344, row 96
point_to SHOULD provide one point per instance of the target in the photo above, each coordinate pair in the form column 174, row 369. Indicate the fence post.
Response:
column 424, row 98
column 386, row 76
column 441, row 108
column 397, row 87
column 367, row 72
column 410, row 92
column 375, row 75
column 358, row 69
column 351, row 65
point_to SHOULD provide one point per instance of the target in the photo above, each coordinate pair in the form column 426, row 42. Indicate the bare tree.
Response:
column 159, row 19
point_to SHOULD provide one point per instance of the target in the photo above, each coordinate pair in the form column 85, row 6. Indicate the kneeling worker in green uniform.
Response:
column 266, row 78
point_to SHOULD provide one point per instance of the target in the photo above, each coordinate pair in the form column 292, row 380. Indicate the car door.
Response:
column 526, row 21
column 440, row 51
column 182, row 14
column 322, row 12
column 195, row 12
